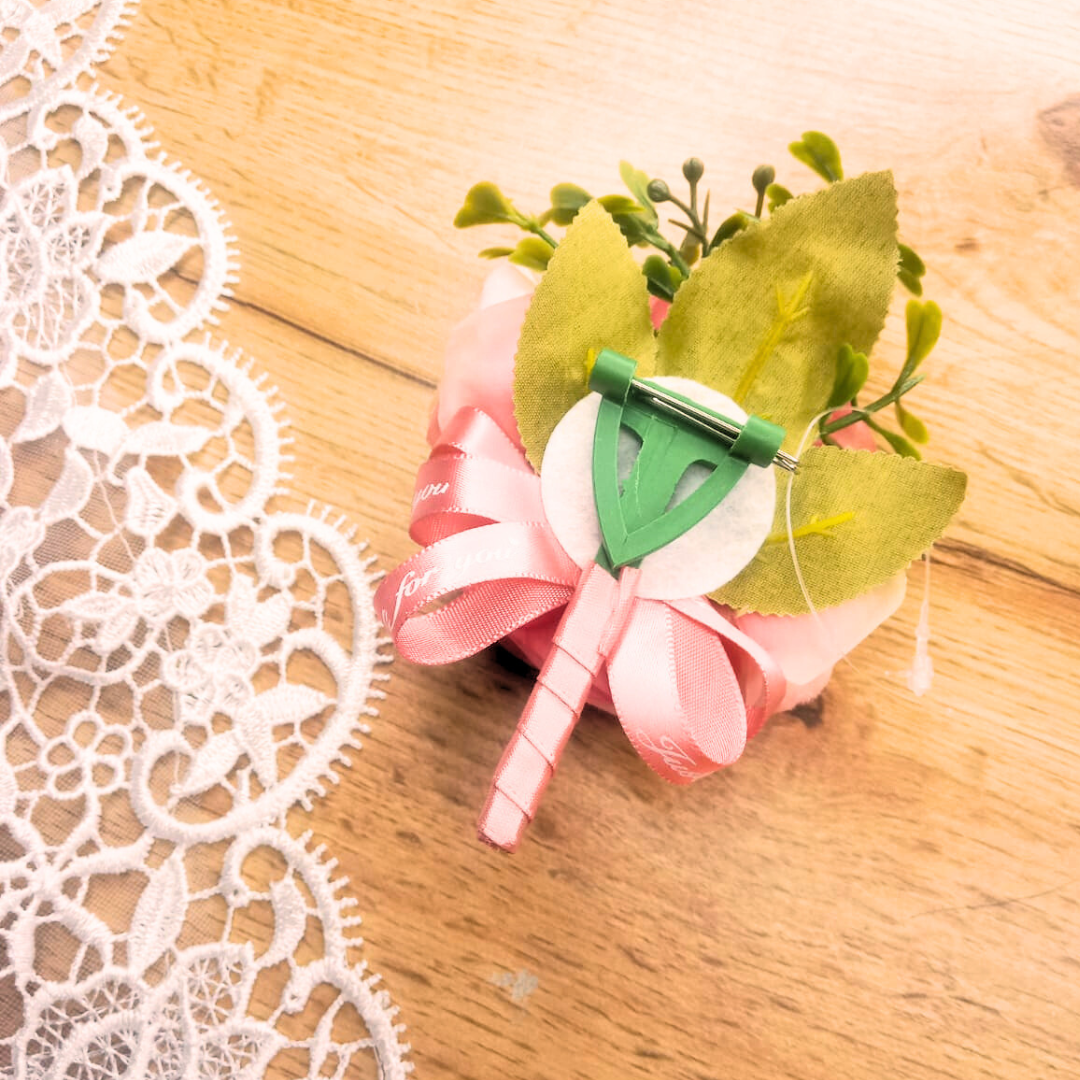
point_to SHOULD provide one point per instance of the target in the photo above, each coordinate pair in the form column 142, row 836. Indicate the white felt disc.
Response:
column 702, row 559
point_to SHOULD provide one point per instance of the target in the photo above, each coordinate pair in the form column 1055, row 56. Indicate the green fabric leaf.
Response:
column 858, row 517
column 495, row 252
column 819, row 152
column 593, row 296
column 767, row 311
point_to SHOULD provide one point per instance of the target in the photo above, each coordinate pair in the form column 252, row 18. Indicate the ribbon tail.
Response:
column 551, row 712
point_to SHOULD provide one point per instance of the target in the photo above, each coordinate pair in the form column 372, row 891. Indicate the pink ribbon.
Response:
column 688, row 687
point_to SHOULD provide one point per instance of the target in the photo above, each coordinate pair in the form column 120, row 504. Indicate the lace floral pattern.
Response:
column 182, row 657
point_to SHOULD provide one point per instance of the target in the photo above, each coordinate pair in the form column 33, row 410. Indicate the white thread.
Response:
column 920, row 676
column 791, row 532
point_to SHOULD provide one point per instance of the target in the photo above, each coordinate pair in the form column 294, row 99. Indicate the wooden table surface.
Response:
column 883, row 886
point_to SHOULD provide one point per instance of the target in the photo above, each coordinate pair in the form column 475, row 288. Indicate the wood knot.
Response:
column 1060, row 127
column 811, row 713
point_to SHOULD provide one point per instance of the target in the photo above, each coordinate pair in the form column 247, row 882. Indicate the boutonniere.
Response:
column 662, row 481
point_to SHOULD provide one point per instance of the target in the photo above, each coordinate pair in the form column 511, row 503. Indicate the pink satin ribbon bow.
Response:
column 688, row 687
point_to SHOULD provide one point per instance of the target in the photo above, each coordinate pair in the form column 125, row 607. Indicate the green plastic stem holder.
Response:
column 640, row 515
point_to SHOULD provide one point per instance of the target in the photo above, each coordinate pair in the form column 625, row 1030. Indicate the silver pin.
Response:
column 704, row 419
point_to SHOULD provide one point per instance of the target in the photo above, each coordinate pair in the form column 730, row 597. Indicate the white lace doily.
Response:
column 181, row 658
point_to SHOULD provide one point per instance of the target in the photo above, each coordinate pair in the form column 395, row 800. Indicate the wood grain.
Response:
column 883, row 886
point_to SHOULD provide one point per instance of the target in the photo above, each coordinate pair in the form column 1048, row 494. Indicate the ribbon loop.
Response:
column 453, row 495
column 676, row 694
column 506, row 575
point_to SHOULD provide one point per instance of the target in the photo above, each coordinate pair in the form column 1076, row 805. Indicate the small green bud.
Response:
column 693, row 169
column 763, row 176
column 658, row 191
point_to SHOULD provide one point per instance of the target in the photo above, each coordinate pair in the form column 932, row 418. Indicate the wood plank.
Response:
column 883, row 885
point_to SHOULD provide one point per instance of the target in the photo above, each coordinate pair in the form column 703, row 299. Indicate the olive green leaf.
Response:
column 566, row 201
column 911, row 271
column 852, row 371
column 485, row 204
column 819, row 152
column 592, row 296
column 638, row 185
column 858, row 519
column 634, row 228
column 663, row 279
column 632, row 218
column 690, row 249
column 532, row 253
column 495, row 252
column 923, row 331
column 729, row 227
column 620, row 204
column 912, row 426
column 897, row 442
column 776, row 195
column 763, row 317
